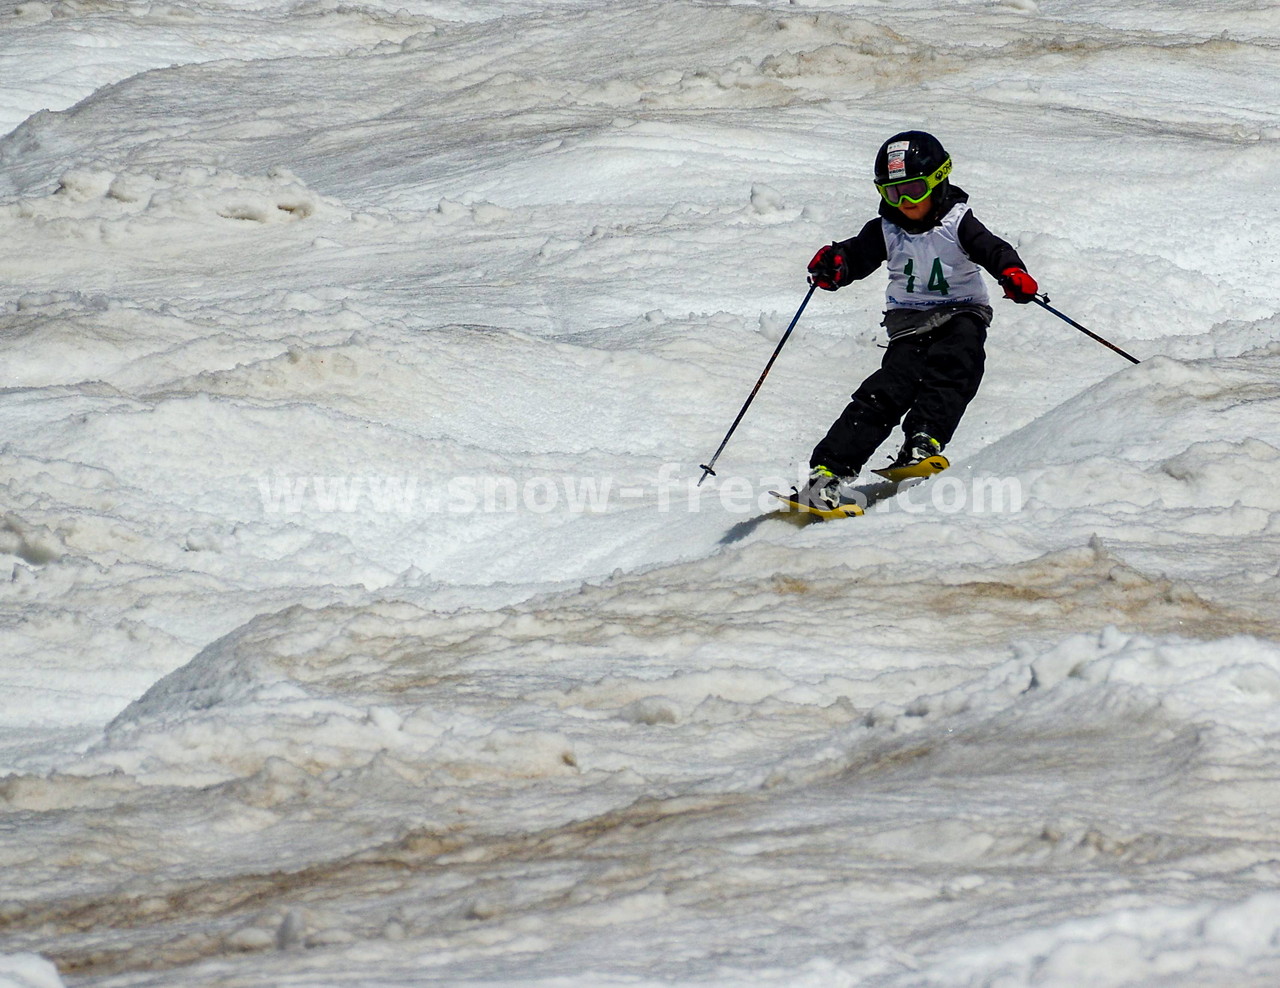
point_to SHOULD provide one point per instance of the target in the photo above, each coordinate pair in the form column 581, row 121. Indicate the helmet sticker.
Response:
column 896, row 159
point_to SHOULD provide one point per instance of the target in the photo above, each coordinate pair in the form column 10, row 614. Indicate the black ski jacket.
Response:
column 865, row 252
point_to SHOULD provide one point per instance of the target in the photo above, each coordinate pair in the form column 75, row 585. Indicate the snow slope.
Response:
column 365, row 624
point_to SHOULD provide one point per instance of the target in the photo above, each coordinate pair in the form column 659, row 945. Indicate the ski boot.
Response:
column 916, row 449
column 822, row 495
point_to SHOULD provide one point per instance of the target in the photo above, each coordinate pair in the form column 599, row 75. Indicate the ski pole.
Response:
column 706, row 467
column 1043, row 301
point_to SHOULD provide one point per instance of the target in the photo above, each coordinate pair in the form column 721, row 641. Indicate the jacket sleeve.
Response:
column 865, row 252
column 985, row 248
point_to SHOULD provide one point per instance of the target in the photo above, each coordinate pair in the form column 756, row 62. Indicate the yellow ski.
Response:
column 925, row 468
column 844, row 511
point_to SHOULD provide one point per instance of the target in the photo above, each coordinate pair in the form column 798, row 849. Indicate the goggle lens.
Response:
column 913, row 191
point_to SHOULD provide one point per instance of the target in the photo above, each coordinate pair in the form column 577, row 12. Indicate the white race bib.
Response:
column 928, row 269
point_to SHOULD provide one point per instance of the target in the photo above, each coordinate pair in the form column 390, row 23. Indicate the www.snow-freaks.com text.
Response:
column 665, row 491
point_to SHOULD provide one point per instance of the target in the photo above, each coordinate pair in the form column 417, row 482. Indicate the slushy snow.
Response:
column 364, row 623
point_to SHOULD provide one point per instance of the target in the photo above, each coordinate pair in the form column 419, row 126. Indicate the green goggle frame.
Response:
column 914, row 190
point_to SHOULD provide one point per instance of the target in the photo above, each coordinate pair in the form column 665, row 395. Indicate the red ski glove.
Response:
column 1018, row 285
column 828, row 269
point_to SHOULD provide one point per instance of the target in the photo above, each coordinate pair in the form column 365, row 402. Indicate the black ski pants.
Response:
column 929, row 378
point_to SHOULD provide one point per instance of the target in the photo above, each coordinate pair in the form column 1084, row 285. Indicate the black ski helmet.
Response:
column 912, row 154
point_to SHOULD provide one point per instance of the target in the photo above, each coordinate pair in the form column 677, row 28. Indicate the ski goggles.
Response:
column 914, row 190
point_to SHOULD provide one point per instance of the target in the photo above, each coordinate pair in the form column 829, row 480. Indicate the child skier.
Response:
column 937, row 313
